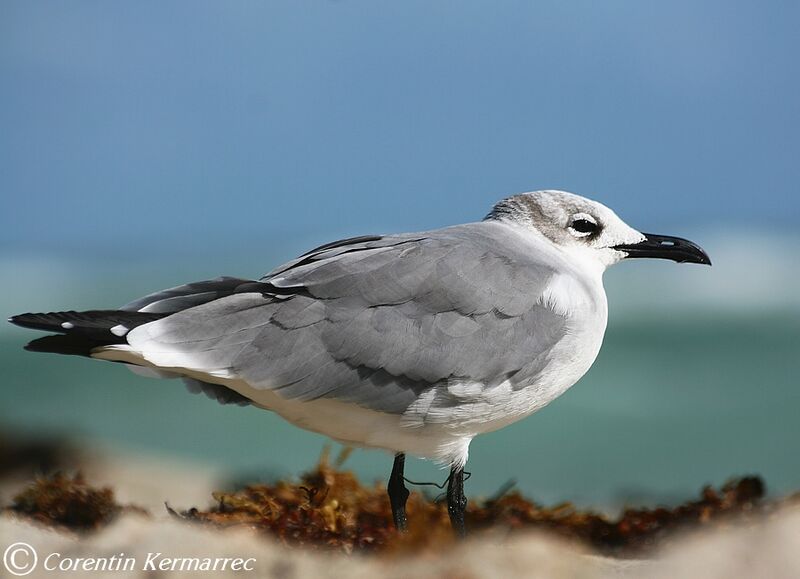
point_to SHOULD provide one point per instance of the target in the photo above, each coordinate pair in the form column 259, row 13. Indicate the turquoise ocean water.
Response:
column 697, row 381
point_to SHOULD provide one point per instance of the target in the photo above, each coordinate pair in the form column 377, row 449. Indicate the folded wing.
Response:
column 375, row 321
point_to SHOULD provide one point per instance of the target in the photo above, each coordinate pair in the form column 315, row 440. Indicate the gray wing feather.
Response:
column 380, row 321
column 179, row 298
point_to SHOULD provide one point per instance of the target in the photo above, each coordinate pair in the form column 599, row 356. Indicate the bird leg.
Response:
column 456, row 501
column 398, row 493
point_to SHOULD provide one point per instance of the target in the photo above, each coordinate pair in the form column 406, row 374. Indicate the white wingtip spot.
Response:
column 119, row 330
column 67, row 325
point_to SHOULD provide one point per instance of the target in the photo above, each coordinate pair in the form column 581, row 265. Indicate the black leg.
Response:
column 456, row 501
column 398, row 493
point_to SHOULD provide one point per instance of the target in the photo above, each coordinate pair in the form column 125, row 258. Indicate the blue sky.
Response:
column 189, row 126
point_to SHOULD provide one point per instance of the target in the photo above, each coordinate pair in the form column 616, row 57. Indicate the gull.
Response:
column 412, row 343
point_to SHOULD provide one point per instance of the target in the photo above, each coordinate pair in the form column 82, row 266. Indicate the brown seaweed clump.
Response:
column 329, row 509
column 69, row 502
column 636, row 531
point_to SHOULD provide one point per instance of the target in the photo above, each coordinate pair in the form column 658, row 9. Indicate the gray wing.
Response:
column 376, row 321
column 170, row 301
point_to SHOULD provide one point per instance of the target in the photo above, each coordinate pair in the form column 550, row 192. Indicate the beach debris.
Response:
column 329, row 509
column 68, row 502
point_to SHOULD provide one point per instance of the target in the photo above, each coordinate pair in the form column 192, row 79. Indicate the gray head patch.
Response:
column 564, row 218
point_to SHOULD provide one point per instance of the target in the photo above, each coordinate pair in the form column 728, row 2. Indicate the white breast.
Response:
column 484, row 408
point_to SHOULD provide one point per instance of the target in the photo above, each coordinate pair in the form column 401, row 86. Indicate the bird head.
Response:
column 590, row 230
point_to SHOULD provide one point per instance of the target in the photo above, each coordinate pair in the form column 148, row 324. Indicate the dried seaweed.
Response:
column 68, row 502
column 329, row 509
column 635, row 531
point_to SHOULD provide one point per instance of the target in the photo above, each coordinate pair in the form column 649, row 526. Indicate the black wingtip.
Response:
column 61, row 344
column 35, row 321
column 94, row 324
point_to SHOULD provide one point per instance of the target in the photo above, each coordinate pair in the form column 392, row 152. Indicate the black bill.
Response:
column 666, row 247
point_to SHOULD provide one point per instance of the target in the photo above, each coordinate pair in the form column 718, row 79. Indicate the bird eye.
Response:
column 583, row 225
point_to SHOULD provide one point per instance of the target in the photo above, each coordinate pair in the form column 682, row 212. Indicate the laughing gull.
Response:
column 414, row 343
